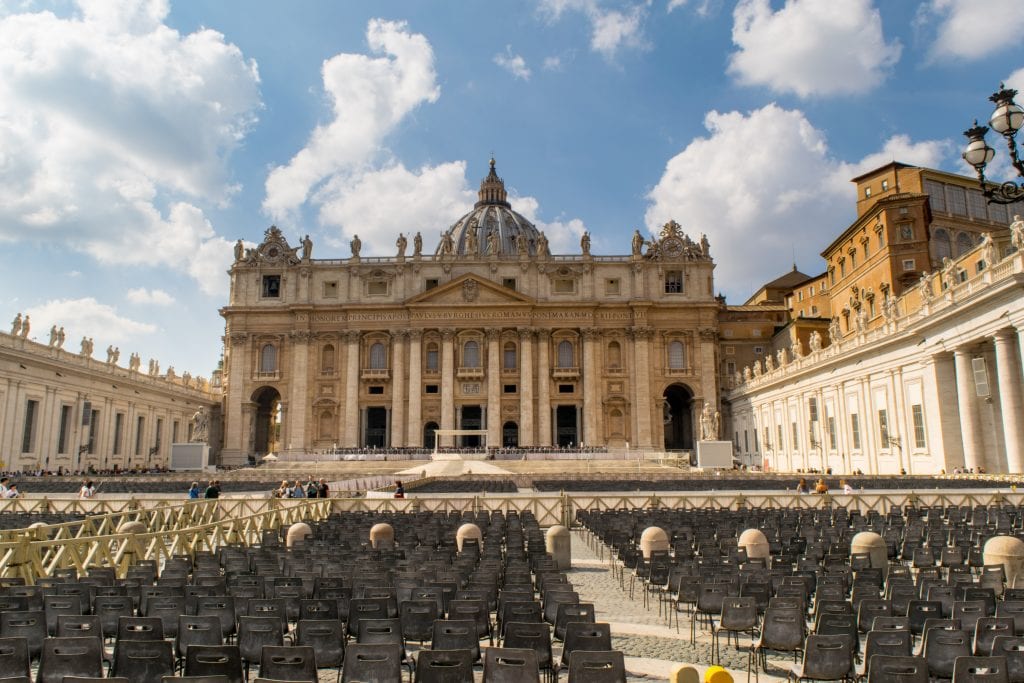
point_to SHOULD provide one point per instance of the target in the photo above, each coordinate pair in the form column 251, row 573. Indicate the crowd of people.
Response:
column 311, row 489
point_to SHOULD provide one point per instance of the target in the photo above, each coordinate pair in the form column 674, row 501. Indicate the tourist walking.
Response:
column 213, row 490
column 193, row 491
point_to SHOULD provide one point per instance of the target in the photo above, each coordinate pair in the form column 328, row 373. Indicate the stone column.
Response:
column 493, row 388
column 945, row 437
column 1008, row 372
column 351, row 437
column 236, row 431
column 398, row 338
column 543, row 388
column 298, row 397
column 526, row 435
column 447, row 383
column 415, row 418
column 905, row 433
column 642, row 387
column 591, row 388
column 967, row 400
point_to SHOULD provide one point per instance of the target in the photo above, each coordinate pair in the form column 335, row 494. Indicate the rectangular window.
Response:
column 957, row 200
column 508, row 283
column 331, row 290
column 140, row 426
column 28, row 435
column 778, row 429
column 746, row 442
column 510, row 388
column 832, row 276
column 758, row 350
column 433, row 364
column 158, row 441
column 730, row 350
column 174, row 431
column 430, row 283
column 855, row 431
column 909, row 264
column 730, row 367
column 118, row 433
column 800, row 296
column 977, row 205
column 980, row 377
column 375, row 390
column 842, row 269
column 881, row 238
column 565, row 286
column 611, row 286
column 853, row 259
column 65, row 427
column 674, row 282
column 565, row 388
column 812, row 409
column 917, row 412
column 883, row 427
column 936, row 195
column 271, row 286
column 93, row 428
column 831, row 432
column 431, row 389
column 796, row 437
column 377, row 288
column 867, row 192
column 885, row 185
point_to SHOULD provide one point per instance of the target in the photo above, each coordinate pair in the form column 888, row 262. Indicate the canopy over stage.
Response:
column 465, row 454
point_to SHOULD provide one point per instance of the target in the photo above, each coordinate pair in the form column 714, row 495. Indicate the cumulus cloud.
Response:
column 964, row 30
column 1016, row 80
column 610, row 29
column 86, row 317
column 513, row 63
column 811, row 47
column 763, row 182
column 703, row 8
column 153, row 297
column 109, row 120
column 369, row 97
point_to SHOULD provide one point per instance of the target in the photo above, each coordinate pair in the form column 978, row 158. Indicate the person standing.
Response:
column 298, row 491
column 88, row 490
column 193, row 491
column 213, row 490
column 12, row 491
column 323, row 491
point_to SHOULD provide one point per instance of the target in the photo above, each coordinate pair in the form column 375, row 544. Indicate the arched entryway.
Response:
column 429, row 435
column 266, row 427
column 677, row 414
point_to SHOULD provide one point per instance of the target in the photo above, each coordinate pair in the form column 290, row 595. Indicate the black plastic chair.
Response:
column 532, row 636
column 456, row 635
column 987, row 630
column 580, row 636
column 826, row 658
column 143, row 661
column 417, row 619
column 196, row 630
column 980, row 670
column 782, row 630
column 55, row 605
column 214, row 661
column 326, row 637
column 70, row 657
column 590, row 666
column 254, row 633
column 1011, row 647
column 14, row 657
column 444, row 666
column 942, row 647
column 570, row 612
column 110, row 608
column 372, row 662
column 140, row 628
column 221, row 606
column 288, row 663
column 891, row 669
column 739, row 615
column 510, row 665
column 28, row 625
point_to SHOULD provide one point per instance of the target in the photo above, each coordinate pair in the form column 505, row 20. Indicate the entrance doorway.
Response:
column 566, row 429
column 510, row 435
column 266, row 428
column 376, row 427
column 678, row 418
column 429, row 437
column 471, row 418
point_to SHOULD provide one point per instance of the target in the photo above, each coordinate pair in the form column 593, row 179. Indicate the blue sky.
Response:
column 140, row 139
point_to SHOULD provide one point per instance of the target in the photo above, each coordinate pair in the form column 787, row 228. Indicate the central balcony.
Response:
column 464, row 372
column 375, row 373
column 565, row 373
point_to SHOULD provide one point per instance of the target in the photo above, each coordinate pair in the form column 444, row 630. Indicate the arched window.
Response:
column 471, row 355
column 433, row 364
column 943, row 247
column 268, row 358
column 963, row 244
column 566, row 355
column 614, row 355
column 378, row 357
column 327, row 359
column 508, row 358
column 676, row 355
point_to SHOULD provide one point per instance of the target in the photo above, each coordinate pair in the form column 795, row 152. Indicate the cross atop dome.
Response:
column 492, row 191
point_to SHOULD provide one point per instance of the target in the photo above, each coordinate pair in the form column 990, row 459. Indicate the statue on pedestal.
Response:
column 16, row 326
column 200, row 426
column 417, row 245
column 638, row 242
column 447, row 244
column 542, row 245
column 948, row 272
column 834, row 331
column 780, row 358
column 25, row 324
column 492, row 243
column 796, row 349
column 705, row 246
column 307, row 248
column 472, row 243
column 239, row 250
column 53, row 336
column 134, row 362
column 585, row 243
column 709, row 420
column 926, row 288
column 401, row 243
column 988, row 251
column 356, row 244
column 815, row 341
column 60, row 337
column 1017, row 232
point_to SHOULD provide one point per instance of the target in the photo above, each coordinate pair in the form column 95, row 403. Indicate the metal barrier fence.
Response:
column 179, row 527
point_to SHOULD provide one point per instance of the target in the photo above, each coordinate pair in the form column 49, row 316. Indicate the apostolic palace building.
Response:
column 902, row 351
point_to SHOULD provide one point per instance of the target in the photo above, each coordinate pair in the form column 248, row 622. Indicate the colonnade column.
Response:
column 415, row 432
column 543, row 388
column 447, row 383
column 526, row 435
column 398, row 388
column 1008, row 372
column 968, row 403
column 642, row 387
column 591, row 388
column 351, row 439
column 493, row 388
column 299, row 398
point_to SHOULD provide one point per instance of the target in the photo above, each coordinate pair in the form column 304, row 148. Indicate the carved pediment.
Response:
column 470, row 290
column 274, row 250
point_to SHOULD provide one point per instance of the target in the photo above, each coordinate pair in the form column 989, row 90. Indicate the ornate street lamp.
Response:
column 1007, row 119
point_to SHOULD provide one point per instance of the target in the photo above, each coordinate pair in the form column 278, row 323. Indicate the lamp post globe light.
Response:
column 1007, row 119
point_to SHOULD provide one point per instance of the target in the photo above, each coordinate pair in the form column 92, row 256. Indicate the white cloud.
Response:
column 552, row 63
column 610, row 29
column 811, row 47
column 109, row 117
column 968, row 29
column 1016, row 81
column 563, row 235
column 703, row 8
column 514, row 64
column 369, row 97
column 153, row 297
column 753, row 198
column 85, row 318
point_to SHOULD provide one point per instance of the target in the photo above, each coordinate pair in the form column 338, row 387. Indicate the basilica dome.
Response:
column 492, row 228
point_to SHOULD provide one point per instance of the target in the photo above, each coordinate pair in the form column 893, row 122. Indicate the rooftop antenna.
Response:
column 793, row 248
